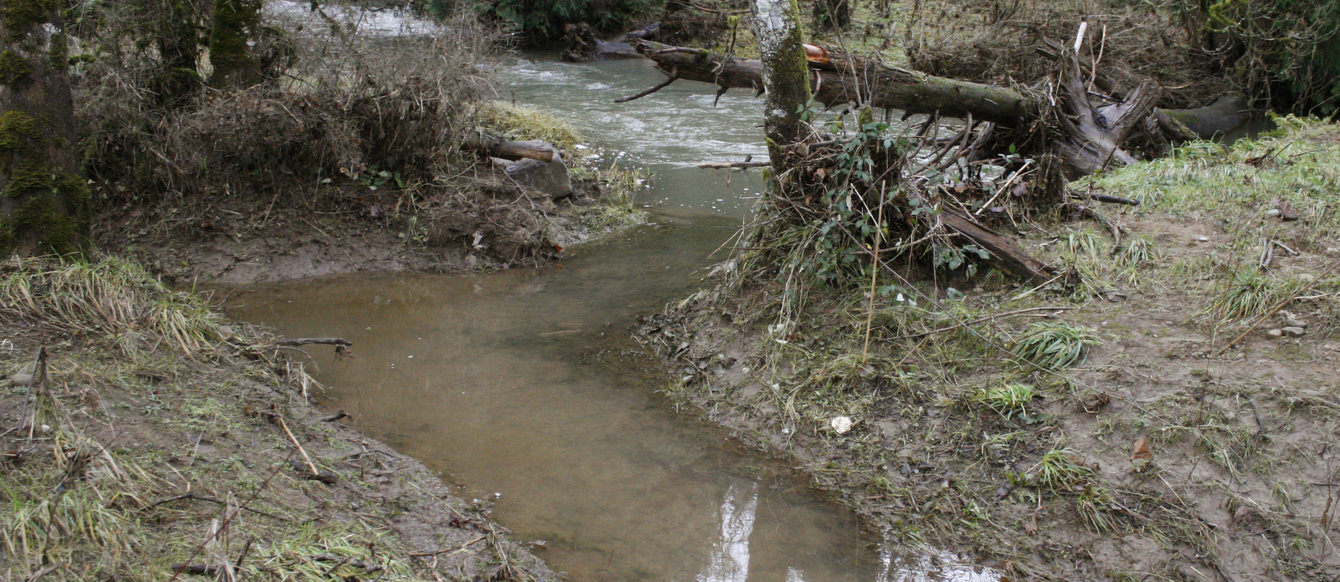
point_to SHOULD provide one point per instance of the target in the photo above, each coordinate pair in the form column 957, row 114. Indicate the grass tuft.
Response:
column 1249, row 294
column 1009, row 400
column 1055, row 346
column 110, row 298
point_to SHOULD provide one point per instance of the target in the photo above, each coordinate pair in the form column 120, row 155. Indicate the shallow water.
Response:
column 525, row 387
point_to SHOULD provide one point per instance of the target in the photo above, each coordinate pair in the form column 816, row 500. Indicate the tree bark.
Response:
column 44, row 202
column 786, row 82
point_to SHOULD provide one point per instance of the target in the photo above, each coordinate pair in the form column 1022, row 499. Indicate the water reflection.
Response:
column 729, row 560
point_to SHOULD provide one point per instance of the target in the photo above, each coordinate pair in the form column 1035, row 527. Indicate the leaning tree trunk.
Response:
column 786, row 81
column 44, row 203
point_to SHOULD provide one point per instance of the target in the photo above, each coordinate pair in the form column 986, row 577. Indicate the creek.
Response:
column 525, row 389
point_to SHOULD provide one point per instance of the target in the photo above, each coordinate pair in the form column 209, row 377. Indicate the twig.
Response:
column 1267, row 254
column 295, row 442
column 874, row 275
column 302, row 341
column 1110, row 198
column 1005, row 186
column 730, row 165
column 461, row 548
column 1281, row 305
column 195, row 497
column 663, row 84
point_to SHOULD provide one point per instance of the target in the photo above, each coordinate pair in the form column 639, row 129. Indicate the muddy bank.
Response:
column 1157, row 447
column 163, row 442
column 478, row 224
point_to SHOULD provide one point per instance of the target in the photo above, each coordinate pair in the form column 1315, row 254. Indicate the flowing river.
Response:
column 525, row 388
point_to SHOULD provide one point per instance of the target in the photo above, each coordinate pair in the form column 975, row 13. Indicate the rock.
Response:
column 544, row 178
column 1273, row 212
column 1295, row 322
column 840, row 424
column 1292, row 331
column 1202, row 238
column 21, row 379
column 1275, row 333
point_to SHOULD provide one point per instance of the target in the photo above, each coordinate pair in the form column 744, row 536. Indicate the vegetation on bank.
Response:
column 1131, row 417
column 342, row 133
column 147, row 439
column 144, row 438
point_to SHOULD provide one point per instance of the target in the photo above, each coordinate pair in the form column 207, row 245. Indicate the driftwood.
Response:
column 499, row 147
column 1007, row 255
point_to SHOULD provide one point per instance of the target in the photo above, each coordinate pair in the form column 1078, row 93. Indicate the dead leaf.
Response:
column 1141, row 451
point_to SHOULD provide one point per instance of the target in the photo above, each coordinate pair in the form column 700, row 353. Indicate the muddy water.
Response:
column 524, row 386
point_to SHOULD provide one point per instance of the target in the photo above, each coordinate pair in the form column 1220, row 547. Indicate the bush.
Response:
column 1287, row 51
column 542, row 21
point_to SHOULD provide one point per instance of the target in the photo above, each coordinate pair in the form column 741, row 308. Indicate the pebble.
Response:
column 1275, row 333
column 841, row 424
column 1273, row 212
column 21, row 379
column 1293, row 331
column 1202, row 238
column 1295, row 322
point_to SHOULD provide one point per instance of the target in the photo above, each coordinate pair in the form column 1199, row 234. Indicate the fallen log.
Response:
column 833, row 82
column 1092, row 136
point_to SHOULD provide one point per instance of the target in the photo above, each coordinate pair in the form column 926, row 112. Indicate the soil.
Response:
column 238, row 240
column 1172, row 460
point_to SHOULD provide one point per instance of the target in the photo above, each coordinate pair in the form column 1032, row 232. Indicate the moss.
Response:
column 17, row 130
column 29, row 179
column 19, row 16
column 13, row 68
column 59, row 52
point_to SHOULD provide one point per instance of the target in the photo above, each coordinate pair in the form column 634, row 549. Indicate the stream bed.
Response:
column 525, row 388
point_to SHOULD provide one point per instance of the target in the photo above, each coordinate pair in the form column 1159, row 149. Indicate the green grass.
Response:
column 1294, row 163
column 1059, row 472
column 1055, row 345
column 1009, row 400
column 1249, row 294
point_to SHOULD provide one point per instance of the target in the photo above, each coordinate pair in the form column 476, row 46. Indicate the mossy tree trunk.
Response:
column 44, row 202
column 177, row 30
column 236, row 22
column 786, row 79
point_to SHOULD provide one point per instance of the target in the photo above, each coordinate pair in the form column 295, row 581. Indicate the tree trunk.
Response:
column 786, row 82
column 236, row 22
column 176, row 27
column 44, row 202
